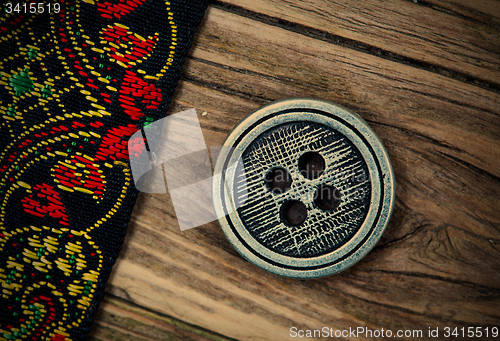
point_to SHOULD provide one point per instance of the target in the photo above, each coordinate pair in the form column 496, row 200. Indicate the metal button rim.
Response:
column 353, row 127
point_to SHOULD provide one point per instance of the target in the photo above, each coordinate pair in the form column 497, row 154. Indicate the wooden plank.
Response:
column 400, row 29
column 486, row 11
column 118, row 319
column 437, row 264
column 269, row 63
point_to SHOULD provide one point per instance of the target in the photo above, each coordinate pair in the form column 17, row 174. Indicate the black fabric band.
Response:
column 77, row 81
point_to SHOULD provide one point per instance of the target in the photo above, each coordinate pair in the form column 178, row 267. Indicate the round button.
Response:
column 303, row 188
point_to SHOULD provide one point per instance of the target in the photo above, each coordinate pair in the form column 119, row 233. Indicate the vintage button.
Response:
column 303, row 188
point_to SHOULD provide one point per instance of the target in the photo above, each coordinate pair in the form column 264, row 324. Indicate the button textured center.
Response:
column 316, row 157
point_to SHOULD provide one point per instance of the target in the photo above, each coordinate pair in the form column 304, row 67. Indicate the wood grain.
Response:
column 438, row 263
column 414, row 33
column 486, row 11
column 119, row 319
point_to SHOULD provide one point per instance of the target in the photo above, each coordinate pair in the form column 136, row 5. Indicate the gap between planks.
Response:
column 425, row 55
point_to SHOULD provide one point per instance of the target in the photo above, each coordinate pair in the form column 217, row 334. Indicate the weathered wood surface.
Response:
column 432, row 94
column 431, row 35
